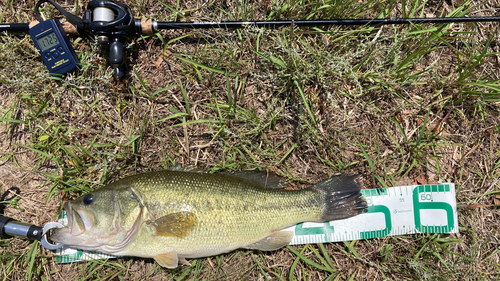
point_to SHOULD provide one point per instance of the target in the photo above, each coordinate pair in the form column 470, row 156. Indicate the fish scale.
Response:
column 173, row 215
column 231, row 212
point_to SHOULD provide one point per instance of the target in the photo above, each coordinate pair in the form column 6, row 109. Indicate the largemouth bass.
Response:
column 174, row 215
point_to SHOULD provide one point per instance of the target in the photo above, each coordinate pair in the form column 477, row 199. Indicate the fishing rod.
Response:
column 156, row 26
column 114, row 26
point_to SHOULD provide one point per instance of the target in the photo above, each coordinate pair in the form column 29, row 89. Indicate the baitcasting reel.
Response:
column 113, row 24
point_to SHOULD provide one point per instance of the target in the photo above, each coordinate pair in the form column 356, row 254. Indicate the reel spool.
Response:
column 102, row 14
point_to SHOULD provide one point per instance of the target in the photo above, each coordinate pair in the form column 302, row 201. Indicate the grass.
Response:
column 398, row 104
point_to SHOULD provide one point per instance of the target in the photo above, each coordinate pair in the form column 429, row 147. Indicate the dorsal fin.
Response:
column 192, row 169
column 265, row 178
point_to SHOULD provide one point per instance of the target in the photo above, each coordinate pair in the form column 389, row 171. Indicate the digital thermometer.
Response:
column 54, row 46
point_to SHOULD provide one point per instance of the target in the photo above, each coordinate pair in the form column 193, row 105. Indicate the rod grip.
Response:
column 147, row 26
column 67, row 26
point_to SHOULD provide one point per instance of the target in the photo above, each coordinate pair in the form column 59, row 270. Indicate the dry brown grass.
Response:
column 357, row 95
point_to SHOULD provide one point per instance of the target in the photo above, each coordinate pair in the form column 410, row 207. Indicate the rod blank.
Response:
column 302, row 23
column 15, row 27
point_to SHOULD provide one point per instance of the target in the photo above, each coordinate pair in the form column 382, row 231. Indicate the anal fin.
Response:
column 184, row 261
column 273, row 242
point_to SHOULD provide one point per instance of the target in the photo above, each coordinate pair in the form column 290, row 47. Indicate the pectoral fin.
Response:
column 176, row 224
column 168, row 260
column 273, row 242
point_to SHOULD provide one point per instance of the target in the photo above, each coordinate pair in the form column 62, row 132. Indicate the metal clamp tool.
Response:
column 10, row 227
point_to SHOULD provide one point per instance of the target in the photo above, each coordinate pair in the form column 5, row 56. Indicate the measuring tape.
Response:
column 400, row 210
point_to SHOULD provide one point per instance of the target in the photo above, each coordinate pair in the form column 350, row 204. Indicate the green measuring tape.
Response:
column 400, row 210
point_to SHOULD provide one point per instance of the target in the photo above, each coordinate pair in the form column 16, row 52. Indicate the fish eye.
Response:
column 87, row 200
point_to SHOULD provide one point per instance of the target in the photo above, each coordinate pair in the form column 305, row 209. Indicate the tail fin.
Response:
column 342, row 198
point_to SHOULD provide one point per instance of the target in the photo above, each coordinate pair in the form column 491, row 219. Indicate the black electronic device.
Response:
column 54, row 46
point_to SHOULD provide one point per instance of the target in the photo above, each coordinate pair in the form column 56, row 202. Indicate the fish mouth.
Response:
column 79, row 221
column 79, row 233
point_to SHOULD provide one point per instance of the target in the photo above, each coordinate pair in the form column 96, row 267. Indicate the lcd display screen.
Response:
column 48, row 41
